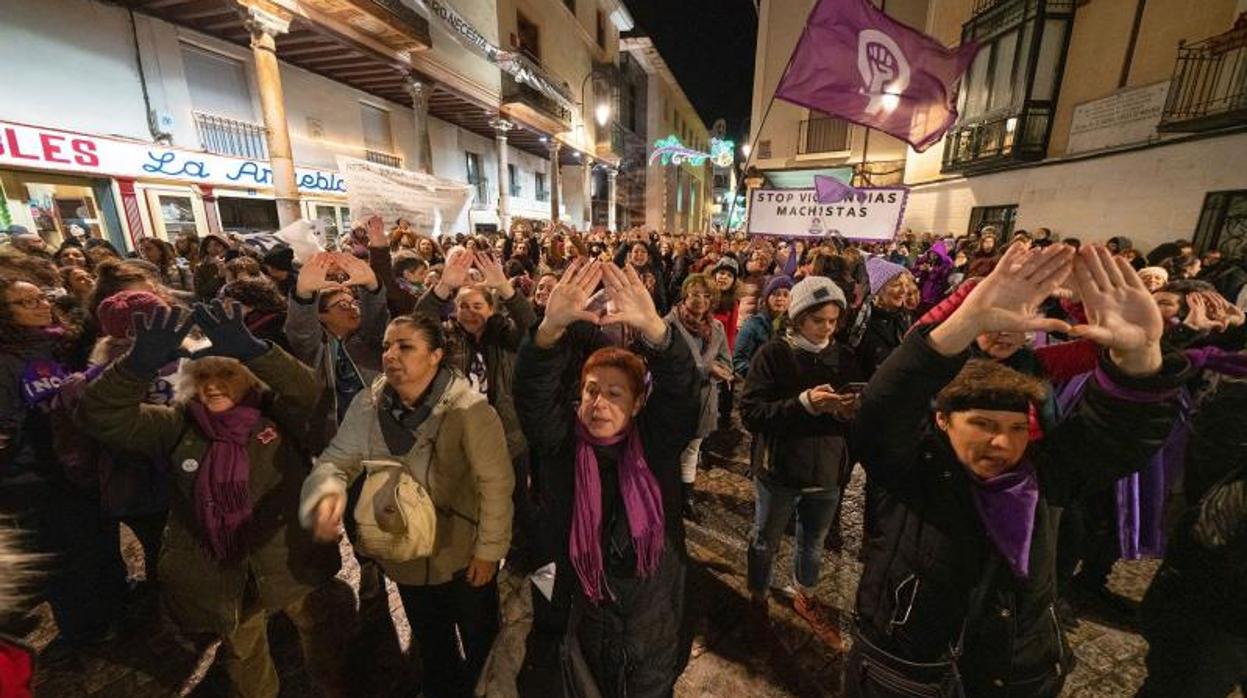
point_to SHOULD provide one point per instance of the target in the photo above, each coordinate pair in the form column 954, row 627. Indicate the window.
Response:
column 377, row 134
column 218, row 84
column 1008, row 95
column 513, row 180
column 1002, row 217
column 476, row 177
column 542, row 193
column 178, row 215
column 1223, row 224
column 529, row 37
column 601, row 29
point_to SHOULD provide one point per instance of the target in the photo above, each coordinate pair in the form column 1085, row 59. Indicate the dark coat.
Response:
column 498, row 343
column 202, row 593
column 928, row 536
column 666, row 423
column 884, row 332
column 791, row 446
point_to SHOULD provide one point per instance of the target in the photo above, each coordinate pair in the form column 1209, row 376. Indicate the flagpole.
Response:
column 767, row 112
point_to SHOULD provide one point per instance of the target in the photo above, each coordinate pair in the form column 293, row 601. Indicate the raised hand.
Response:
column 633, row 305
column 495, row 278
column 315, row 274
column 157, row 340
column 1007, row 300
column 223, row 325
column 1120, row 312
column 459, row 261
column 376, row 232
column 569, row 300
column 358, row 272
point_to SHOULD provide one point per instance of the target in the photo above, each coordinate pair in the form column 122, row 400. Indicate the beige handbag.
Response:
column 395, row 517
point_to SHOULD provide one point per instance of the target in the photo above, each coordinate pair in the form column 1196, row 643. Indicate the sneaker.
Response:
column 821, row 620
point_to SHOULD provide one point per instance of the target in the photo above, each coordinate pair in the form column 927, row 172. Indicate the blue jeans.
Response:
column 773, row 507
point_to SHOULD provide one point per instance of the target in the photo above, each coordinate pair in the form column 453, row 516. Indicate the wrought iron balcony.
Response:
column 823, row 135
column 997, row 141
column 531, row 97
column 383, row 158
column 225, row 136
column 1209, row 85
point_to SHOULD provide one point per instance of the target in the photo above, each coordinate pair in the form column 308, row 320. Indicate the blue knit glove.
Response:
column 157, row 340
column 223, row 326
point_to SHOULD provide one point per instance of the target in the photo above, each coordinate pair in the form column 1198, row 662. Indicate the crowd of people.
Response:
column 1027, row 410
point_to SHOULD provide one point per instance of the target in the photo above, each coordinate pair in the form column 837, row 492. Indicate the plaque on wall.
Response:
column 1125, row 117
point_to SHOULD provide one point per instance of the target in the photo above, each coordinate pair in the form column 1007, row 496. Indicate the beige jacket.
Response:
column 469, row 477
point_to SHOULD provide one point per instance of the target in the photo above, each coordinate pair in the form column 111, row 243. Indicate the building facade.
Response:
column 184, row 116
column 678, row 197
column 1092, row 118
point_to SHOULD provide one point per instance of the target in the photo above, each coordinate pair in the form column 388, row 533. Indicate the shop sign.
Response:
column 874, row 213
column 63, row 151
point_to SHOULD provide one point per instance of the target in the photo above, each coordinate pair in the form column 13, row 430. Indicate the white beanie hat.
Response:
column 814, row 291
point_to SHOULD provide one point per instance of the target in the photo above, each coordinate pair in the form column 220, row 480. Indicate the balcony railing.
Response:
column 383, row 158
column 225, row 136
column 1209, row 85
column 998, row 140
column 825, row 135
column 523, row 93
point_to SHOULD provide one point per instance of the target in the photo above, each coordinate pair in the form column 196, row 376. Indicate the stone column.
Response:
column 501, row 126
column 420, row 93
column 555, row 183
column 587, row 176
column 611, row 192
column 264, row 27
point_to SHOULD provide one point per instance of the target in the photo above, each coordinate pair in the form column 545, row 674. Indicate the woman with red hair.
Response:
column 612, row 482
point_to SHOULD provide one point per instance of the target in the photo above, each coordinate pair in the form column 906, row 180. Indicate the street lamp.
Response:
column 601, row 112
column 746, row 149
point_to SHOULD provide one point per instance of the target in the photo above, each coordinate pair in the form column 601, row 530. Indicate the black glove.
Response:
column 157, row 340
column 223, row 326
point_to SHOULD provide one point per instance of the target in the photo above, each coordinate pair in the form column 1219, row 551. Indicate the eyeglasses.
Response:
column 344, row 305
column 32, row 302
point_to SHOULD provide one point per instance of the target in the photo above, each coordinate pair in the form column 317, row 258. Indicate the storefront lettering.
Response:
column 165, row 162
column 319, row 182
column 51, row 147
column 252, row 169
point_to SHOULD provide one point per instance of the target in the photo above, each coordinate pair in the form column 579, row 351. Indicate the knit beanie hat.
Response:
column 728, row 263
column 116, row 311
column 813, row 291
column 281, row 258
column 880, row 271
column 774, row 284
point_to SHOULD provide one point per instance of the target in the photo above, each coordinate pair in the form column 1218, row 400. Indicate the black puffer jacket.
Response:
column 929, row 547
column 792, row 447
column 885, row 330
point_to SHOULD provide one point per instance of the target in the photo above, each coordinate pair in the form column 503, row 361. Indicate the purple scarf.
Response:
column 1006, row 505
column 222, row 485
column 642, row 502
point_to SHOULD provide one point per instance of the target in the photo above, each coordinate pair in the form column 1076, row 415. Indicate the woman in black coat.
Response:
column 962, row 554
column 612, row 495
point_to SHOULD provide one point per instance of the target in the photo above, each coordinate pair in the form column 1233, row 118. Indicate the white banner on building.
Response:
column 433, row 205
column 874, row 215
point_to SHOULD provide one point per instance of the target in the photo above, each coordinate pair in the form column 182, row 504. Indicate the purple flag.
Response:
column 857, row 63
column 830, row 190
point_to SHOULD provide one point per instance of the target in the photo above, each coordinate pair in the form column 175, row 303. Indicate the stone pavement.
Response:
column 149, row 659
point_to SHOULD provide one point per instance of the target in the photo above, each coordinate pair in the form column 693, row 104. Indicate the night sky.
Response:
column 715, row 69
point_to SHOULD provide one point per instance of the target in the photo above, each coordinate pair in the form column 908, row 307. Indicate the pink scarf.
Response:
column 642, row 502
column 223, row 484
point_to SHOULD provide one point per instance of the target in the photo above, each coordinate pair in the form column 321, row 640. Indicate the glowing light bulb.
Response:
column 603, row 113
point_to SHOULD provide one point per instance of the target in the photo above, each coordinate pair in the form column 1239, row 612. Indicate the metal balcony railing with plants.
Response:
column 998, row 140
column 823, row 135
column 1209, row 85
column 225, row 136
column 513, row 91
column 383, row 158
